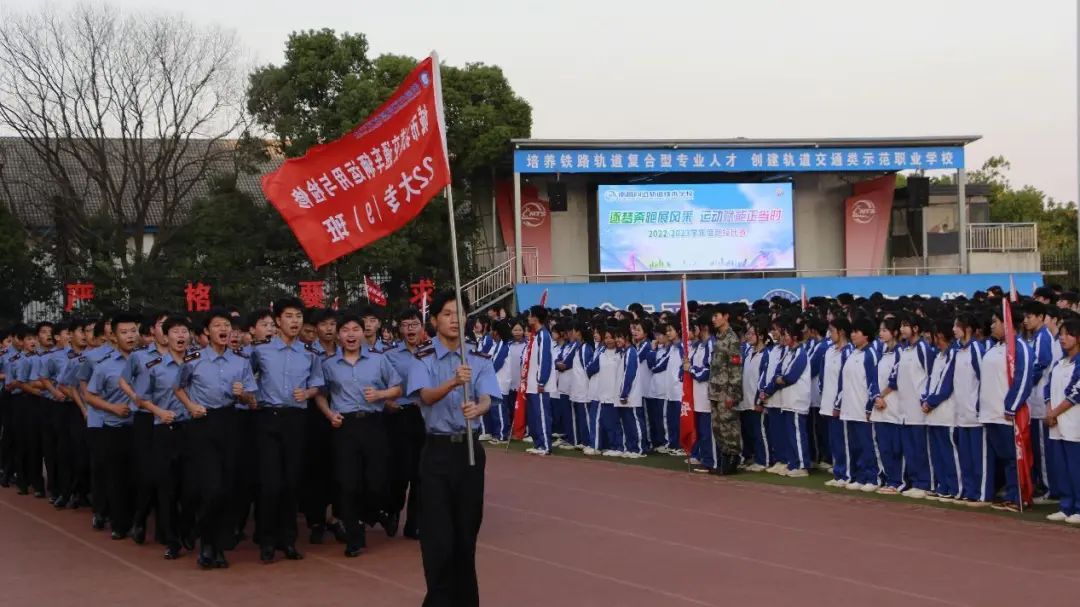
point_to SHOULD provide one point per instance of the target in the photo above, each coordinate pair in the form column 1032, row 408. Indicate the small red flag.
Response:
column 518, row 428
column 1022, row 421
column 375, row 294
column 687, row 431
column 346, row 194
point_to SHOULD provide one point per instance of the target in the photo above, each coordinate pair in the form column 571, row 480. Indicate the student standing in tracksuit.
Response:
column 552, row 388
column 755, row 361
column 833, row 363
column 640, row 336
column 999, row 400
column 1045, row 355
column 703, row 453
column 966, row 361
column 790, row 387
column 914, row 359
column 857, row 393
column 514, row 357
column 498, row 419
column 669, row 369
column 939, row 405
column 562, row 414
column 579, row 355
column 771, row 415
column 886, row 415
column 1063, row 418
column 656, row 394
column 538, row 398
column 604, row 427
column 817, row 344
column 629, row 404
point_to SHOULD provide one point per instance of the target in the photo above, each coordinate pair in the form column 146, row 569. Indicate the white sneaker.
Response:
column 1073, row 519
column 693, row 461
column 776, row 468
column 823, row 466
column 533, row 450
column 612, row 453
column 634, row 455
column 755, row 468
column 528, row 439
column 590, row 451
column 1042, row 500
column 677, row 453
column 1057, row 517
column 797, row 473
column 662, row 449
column 868, row 488
column 567, row 447
column 855, row 486
column 558, row 442
column 914, row 493
column 831, row 482
column 541, row 452
column 484, row 437
column 493, row 442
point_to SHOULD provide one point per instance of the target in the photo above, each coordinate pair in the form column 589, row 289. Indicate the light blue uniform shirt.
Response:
column 403, row 360
column 51, row 366
column 208, row 377
column 439, row 364
column 82, row 369
column 280, row 369
column 156, row 383
column 105, row 382
column 137, row 367
column 345, row 381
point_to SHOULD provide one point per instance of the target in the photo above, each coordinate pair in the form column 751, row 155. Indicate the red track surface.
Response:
column 574, row 532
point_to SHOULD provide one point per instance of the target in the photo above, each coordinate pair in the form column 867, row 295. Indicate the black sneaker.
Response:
column 317, row 532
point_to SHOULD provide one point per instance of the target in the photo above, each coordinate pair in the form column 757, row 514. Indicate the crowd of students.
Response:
column 908, row 396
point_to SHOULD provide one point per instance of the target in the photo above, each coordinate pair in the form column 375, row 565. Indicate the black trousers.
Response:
column 99, row 496
column 49, row 416
column 280, row 439
column 450, row 516
column 75, row 457
column 212, row 469
column 27, row 445
column 361, row 453
column 317, row 484
column 119, row 475
column 406, row 431
column 7, row 433
column 170, row 459
column 245, row 467
column 142, row 439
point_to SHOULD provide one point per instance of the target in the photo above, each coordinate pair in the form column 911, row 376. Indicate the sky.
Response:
column 1005, row 70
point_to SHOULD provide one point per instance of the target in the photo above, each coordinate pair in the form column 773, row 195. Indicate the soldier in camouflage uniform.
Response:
column 725, row 390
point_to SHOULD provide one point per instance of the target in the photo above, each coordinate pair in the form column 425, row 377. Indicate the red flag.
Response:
column 518, row 429
column 346, row 194
column 375, row 294
column 687, row 431
column 1022, row 421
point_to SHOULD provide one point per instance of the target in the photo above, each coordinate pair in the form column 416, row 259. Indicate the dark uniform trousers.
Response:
column 361, row 453
column 406, row 431
column 49, row 412
column 280, row 440
column 316, row 490
column 169, row 456
column 7, row 433
column 211, row 474
column 142, row 437
column 245, row 467
column 28, row 441
column 99, row 497
column 74, row 457
column 450, row 515
column 119, row 475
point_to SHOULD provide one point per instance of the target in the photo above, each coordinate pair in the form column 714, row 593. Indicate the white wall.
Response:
column 1016, row 261
column 570, row 232
column 819, row 222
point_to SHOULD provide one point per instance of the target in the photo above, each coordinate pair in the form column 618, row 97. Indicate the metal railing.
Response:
column 654, row 276
column 1003, row 237
column 498, row 279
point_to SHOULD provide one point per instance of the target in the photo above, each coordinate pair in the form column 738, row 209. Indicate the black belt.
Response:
column 279, row 410
column 458, row 437
column 361, row 414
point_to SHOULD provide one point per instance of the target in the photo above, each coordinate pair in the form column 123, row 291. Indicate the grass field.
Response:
column 816, row 481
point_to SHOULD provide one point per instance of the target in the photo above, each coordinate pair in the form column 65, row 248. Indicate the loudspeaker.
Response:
column 556, row 191
column 918, row 191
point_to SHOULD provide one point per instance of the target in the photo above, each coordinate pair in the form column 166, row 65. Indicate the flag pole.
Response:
column 437, row 77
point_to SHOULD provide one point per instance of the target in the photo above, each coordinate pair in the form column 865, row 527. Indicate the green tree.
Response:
column 328, row 84
column 24, row 280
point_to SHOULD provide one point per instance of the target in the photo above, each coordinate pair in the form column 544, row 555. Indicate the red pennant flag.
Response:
column 687, row 431
column 1022, row 421
column 518, row 428
column 346, row 194
column 375, row 294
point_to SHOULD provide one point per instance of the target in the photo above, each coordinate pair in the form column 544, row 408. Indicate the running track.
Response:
column 584, row 533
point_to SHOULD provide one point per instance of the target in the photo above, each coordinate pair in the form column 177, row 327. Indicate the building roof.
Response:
column 828, row 142
column 28, row 190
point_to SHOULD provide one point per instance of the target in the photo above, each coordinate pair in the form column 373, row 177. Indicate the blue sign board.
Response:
column 664, row 294
column 737, row 160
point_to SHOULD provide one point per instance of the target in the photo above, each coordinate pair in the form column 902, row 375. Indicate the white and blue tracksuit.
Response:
column 909, row 377
column 561, row 410
column 648, row 390
column 773, row 416
column 1046, row 351
column 705, row 447
column 604, row 430
column 819, row 429
column 998, row 397
column 755, row 449
column 485, row 347
column 629, row 406
column 576, row 358
column 498, row 418
column 1063, row 444
column 831, row 367
column 887, row 424
column 941, row 428
column 966, row 369
column 858, row 388
column 538, row 403
column 791, row 390
column 663, row 410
